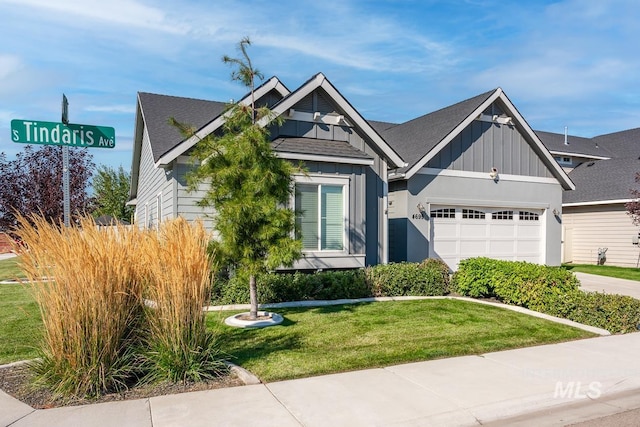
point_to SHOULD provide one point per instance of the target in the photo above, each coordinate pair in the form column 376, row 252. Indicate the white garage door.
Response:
column 458, row 233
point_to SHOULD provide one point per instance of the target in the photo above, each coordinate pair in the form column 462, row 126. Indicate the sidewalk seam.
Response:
column 286, row 408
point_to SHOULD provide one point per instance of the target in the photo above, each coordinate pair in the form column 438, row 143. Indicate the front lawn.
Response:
column 9, row 269
column 606, row 270
column 20, row 323
column 316, row 341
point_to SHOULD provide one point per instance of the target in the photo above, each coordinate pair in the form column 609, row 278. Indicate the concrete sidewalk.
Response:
column 608, row 285
column 576, row 380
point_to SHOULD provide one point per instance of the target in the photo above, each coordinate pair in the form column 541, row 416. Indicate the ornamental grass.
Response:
column 89, row 294
column 119, row 305
column 177, row 268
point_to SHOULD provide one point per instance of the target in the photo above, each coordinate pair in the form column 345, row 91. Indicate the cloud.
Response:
column 128, row 13
column 123, row 108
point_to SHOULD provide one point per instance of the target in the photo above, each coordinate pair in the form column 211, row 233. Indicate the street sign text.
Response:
column 72, row 135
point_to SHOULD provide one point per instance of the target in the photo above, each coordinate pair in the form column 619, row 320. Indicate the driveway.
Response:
column 609, row 285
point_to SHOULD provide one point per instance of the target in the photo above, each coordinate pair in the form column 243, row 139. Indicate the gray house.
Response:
column 595, row 218
column 479, row 182
column 342, row 197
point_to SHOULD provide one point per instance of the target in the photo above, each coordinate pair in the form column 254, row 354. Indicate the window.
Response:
column 320, row 216
column 563, row 160
column 443, row 213
column 528, row 216
column 158, row 209
column 472, row 214
column 504, row 215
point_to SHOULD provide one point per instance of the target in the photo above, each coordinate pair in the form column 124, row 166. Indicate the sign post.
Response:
column 67, row 135
column 66, row 192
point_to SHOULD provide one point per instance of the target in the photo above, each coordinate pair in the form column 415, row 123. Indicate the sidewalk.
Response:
column 576, row 380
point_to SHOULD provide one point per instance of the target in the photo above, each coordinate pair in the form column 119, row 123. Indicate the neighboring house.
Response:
column 594, row 217
column 479, row 182
column 341, row 200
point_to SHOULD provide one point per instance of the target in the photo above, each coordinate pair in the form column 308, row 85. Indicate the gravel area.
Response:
column 15, row 381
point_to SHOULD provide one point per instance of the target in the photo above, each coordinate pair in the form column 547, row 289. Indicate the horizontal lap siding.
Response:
column 152, row 181
column 187, row 201
column 594, row 227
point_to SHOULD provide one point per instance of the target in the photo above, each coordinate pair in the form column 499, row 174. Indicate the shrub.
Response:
column 405, row 278
column 550, row 290
column 90, row 311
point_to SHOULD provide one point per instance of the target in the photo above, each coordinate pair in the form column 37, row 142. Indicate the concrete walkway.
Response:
column 609, row 285
column 576, row 380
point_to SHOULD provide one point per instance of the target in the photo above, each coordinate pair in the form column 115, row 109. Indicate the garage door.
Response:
column 459, row 232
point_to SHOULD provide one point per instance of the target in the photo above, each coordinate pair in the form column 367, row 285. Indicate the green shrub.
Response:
column 405, row 278
column 550, row 290
column 431, row 277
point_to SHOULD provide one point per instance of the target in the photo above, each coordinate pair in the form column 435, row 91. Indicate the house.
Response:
column 341, row 199
column 471, row 179
column 479, row 182
column 594, row 217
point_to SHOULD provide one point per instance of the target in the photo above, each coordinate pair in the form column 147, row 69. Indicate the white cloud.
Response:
column 123, row 108
column 119, row 12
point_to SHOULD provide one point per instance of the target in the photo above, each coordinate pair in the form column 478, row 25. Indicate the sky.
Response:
column 573, row 63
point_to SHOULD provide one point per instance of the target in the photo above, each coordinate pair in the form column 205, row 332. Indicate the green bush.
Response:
column 431, row 277
column 405, row 278
column 550, row 290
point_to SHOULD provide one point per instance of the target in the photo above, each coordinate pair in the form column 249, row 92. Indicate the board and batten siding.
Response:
column 589, row 228
column 483, row 145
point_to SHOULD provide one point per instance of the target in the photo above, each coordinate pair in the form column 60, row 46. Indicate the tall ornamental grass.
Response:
column 89, row 294
column 178, row 271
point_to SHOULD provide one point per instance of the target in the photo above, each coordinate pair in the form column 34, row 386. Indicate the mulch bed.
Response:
column 15, row 381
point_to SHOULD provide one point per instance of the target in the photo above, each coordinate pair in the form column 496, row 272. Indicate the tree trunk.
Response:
column 253, row 298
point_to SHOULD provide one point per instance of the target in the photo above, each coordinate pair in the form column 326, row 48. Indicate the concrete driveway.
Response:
column 609, row 285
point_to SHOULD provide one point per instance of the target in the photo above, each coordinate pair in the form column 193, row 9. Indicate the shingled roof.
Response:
column 577, row 145
column 319, row 147
column 415, row 138
column 158, row 109
column 610, row 176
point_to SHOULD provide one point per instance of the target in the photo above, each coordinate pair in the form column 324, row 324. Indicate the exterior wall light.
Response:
column 494, row 173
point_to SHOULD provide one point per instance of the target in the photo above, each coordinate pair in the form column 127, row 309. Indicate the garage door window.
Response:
column 472, row 214
column 443, row 213
column 502, row 215
column 529, row 216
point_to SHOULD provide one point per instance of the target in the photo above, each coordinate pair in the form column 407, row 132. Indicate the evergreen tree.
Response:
column 249, row 188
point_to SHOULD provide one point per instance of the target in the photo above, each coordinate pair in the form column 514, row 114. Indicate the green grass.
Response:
column 9, row 269
column 20, row 324
column 606, row 270
column 332, row 339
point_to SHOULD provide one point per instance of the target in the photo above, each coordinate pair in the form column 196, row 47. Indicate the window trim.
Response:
column 320, row 180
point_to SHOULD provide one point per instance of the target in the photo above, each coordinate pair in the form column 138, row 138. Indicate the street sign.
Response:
column 71, row 135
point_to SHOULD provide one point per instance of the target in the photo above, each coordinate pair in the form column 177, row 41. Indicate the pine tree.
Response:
column 249, row 188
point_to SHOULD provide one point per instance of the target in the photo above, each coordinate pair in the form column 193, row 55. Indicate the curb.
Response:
column 324, row 303
column 245, row 376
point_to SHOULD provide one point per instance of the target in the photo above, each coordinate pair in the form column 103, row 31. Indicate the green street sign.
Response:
column 71, row 135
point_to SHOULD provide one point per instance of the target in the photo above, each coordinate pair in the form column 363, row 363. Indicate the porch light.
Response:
column 494, row 173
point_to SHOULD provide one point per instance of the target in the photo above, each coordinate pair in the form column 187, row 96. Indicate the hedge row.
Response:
column 551, row 290
column 429, row 278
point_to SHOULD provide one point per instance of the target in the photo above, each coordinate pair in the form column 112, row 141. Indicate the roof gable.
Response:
column 576, row 146
column 319, row 81
column 421, row 139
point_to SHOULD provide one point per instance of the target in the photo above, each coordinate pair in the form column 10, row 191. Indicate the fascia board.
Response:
column 140, row 128
column 597, row 202
column 211, row 127
column 446, row 140
column 325, row 159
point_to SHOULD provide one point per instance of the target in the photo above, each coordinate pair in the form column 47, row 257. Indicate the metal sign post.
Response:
column 66, row 191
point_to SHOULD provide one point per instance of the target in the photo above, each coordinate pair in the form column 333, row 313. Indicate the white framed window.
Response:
column 529, row 216
column 443, row 213
column 502, row 215
column 321, row 206
column 472, row 214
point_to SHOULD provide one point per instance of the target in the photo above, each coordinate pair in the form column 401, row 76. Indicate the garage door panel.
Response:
column 502, row 246
column 471, row 248
column 502, row 230
column 528, row 246
column 445, row 230
column 474, row 228
column 529, row 230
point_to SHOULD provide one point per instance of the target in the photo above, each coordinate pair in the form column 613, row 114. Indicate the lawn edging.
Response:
column 324, row 303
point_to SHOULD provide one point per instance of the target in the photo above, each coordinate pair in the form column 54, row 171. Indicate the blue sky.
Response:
column 572, row 63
